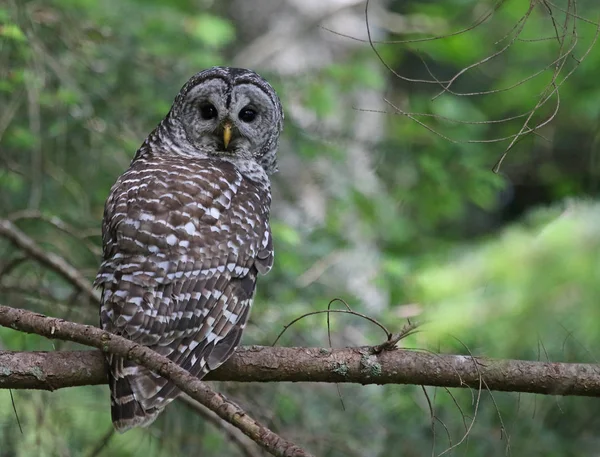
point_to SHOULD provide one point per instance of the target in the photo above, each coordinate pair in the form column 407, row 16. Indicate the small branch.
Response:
column 245, row 445
column 56, row 263
column 58, row 224
column 56, row 370
column 26, row 321
column 103, row 443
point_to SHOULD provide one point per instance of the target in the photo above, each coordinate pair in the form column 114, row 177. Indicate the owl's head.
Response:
column 231, row 113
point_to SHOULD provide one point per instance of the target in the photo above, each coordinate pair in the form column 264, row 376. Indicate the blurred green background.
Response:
column 369, row 206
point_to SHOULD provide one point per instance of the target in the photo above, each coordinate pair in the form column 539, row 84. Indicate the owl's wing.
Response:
column 183, row 246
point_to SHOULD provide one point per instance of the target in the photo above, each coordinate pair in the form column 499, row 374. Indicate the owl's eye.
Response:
column 247, row 114
column 208, row 111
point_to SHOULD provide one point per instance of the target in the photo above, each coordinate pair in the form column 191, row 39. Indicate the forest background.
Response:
column 390, row 197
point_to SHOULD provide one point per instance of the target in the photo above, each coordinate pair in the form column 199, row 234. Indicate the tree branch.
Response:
column 245, row 445
column 29, row 322
column 56, row 370
column 53, row 261
column 77, row 371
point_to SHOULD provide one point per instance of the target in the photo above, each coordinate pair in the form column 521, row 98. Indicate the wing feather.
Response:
column 179, row 271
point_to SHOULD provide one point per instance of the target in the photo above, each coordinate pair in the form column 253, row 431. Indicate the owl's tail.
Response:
column 130, row 385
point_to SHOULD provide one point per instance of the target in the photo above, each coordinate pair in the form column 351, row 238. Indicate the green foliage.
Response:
column 212, row 30
column 529, row 280
column 396, row 219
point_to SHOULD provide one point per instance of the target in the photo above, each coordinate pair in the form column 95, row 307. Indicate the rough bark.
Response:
column 56, row 370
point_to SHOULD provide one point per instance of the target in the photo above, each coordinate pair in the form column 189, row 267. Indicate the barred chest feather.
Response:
column 168, row 215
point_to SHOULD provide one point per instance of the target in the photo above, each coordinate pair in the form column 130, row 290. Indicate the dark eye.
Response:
column 208, row 111
column 247, row 114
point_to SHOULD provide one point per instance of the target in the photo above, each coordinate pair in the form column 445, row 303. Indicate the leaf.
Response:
column 13, row 32
column 286, row 234
column 212, row 30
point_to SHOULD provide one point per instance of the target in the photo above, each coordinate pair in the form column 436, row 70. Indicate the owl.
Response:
column 186, row 233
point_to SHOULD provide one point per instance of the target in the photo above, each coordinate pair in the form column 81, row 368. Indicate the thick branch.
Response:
column 29, row 322
column 55, row 370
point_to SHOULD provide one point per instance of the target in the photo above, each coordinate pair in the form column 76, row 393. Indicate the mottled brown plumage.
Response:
column 185, row 234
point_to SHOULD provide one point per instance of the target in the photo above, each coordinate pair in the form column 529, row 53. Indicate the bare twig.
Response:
column 103, row 443
column 334, row 311
column 483, row 18
column 565, row 33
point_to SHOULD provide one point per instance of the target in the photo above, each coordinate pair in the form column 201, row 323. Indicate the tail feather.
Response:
column 129, row 385
column 216, row 355
column 138, row 395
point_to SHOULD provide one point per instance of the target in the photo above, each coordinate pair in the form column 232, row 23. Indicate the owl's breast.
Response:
column 173, row 218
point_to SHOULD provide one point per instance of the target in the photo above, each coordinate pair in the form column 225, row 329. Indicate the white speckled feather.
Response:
column 185, row 234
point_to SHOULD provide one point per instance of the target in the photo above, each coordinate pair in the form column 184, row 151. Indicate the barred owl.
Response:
column 185, row 234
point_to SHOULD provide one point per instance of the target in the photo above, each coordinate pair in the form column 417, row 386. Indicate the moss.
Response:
column 105, row 339
column 38, row 373
column 370, row 366
column 375, row 370
column 340, row 368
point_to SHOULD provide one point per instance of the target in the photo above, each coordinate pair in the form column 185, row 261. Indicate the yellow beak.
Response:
column 226, row 133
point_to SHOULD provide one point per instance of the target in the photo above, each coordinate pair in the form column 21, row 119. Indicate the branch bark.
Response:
column 26, row 321
column 56, row 370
